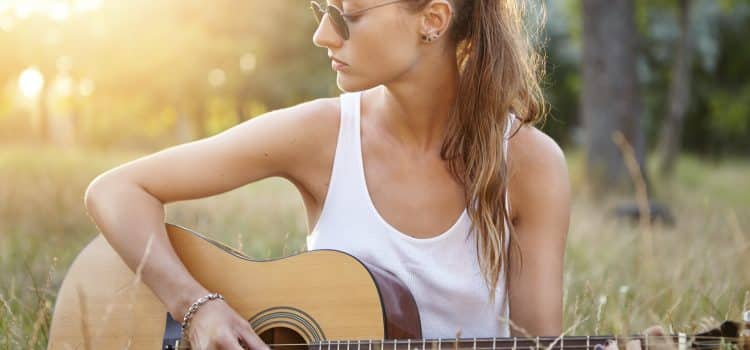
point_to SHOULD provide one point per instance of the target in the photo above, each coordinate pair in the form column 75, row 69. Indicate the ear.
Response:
column 436, row 17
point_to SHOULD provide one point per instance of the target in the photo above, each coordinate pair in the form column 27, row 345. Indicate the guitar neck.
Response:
column 683, row 341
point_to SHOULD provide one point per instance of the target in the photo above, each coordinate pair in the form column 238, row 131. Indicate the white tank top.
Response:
column 441, row 272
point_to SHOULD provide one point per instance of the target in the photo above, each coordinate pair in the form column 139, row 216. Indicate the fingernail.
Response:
column 599, row 347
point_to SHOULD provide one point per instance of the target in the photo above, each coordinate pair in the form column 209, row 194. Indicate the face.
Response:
column 383, row 43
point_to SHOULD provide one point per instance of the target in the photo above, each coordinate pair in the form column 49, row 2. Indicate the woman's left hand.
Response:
column 659, row 343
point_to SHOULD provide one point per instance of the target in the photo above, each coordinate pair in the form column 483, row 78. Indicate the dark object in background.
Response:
column 659, row 212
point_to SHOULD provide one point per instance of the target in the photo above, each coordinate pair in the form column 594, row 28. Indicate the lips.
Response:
column 337, row 61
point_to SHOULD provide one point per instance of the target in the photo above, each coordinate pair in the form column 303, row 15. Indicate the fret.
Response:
column 493, row 343
column 562, row 342
column 475, row 344
column 329, row 345
column 369, row 347
column 588, row 342
column 423, row 344
column 537, row 342
column 394, row 344
column 382, row 343
column 320, row 346
column 338, row 342
column 357, row 344
column 347, row 344
column 439, row 344
column 515, row 342
column 408, row 344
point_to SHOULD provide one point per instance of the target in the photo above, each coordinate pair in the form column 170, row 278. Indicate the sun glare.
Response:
column 57, row 10
column 30, row 82
column 86, row 5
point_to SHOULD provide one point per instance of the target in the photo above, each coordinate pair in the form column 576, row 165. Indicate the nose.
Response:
column 326, row 36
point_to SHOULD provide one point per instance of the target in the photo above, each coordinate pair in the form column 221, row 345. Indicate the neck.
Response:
column 416, row 106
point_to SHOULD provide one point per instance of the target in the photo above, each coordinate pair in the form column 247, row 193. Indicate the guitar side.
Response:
column 304, row 298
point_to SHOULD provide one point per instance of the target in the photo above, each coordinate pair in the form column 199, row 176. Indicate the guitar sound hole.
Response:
column 280, row 338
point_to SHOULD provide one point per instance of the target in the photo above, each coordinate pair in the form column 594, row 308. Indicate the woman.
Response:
column 417, row 153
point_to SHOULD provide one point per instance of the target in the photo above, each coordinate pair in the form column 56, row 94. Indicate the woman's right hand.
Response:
column 217, row 326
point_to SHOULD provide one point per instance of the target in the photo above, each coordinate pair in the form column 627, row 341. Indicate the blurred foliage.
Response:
column 718, row 117
column 167, row 71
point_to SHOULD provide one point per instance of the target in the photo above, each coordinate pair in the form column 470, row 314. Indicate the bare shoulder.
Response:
column 538, row 171
column 314, row 140
column 317, row 127
column 310, row 127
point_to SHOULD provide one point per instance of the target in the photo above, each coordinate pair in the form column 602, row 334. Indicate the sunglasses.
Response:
column 338, row 18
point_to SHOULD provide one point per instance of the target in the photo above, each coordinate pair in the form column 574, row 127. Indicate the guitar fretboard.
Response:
column 681, row 341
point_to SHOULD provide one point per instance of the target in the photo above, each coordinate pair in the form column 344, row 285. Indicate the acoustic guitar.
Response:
column 319, row 299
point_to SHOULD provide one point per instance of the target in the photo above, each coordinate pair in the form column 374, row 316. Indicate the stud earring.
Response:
column 430, row 38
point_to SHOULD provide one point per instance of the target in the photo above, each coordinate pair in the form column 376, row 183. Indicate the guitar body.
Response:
column 316, row 300
column 302, row 299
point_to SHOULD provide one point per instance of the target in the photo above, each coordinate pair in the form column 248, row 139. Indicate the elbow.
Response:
column 99, row 189
column 108, row 189
column 93, row 193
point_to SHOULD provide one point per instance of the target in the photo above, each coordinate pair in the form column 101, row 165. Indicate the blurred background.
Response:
column 650, row 101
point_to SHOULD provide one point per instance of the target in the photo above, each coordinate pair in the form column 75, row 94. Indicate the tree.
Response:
column 679, row 91
column 610, row 96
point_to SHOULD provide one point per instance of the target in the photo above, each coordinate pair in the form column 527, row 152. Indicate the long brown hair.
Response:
column 500, row 73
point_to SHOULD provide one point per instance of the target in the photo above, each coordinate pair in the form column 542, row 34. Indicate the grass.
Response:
column 695, row 274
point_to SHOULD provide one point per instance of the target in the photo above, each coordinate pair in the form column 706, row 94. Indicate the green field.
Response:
column 695, row 276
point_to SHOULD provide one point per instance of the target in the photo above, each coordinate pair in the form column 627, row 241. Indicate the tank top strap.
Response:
column 341, row 194
column 347, row 147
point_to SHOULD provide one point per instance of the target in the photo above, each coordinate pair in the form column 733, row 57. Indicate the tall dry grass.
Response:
column 695, row 273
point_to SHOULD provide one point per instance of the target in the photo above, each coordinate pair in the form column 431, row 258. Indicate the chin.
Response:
column 346, row 83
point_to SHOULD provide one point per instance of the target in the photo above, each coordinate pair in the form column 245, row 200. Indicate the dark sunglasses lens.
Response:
column 338, row 22
column 317, row 11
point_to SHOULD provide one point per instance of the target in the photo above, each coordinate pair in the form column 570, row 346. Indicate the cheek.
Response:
column 378, row 61
column 380, row 54
column 387, row 50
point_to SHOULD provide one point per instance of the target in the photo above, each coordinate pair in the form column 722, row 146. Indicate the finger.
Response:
column 655, row 330
column 611, row 345
column 633, row 345
column 230, row 343
column 658, row 338
column 251, row 340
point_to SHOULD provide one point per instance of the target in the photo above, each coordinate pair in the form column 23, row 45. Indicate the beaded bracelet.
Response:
column 194, row 307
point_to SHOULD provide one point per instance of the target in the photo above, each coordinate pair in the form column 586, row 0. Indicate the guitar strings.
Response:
column 694, row 340
column 521, row 347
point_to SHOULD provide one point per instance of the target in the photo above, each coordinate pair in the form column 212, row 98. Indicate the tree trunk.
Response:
column 679, row 92
column 610, row 97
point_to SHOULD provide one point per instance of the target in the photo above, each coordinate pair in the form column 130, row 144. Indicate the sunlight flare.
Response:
column 30, row 82
column 58, row 11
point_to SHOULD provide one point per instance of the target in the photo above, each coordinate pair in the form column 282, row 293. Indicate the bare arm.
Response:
column 127, row 202
column 540, row 200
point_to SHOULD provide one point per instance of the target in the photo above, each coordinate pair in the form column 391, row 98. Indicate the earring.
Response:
column 430, row 38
